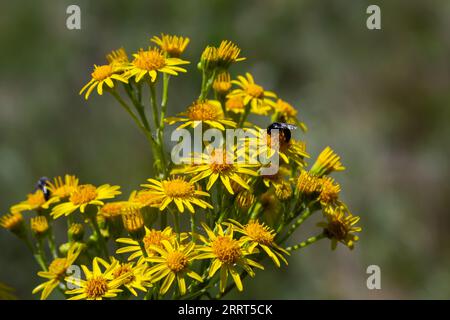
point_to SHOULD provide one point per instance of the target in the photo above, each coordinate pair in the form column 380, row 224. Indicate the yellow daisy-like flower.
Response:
column 214, row 165
column 227, row 254
column 84, row 195
column 285, row 112
column 179, row 191
column 35, row 201
column 152, row 237
column 259, row 99
column 174, row 46
column 327, row 162
column 222, row 83
column 118, row 57
column 257, row 234
column 101, row 75
column 340, row 227
column 308, row 183
column 172, row 263
column 144, row 198
column 228, row 53
column 98, row 285
column 39, row 225
column 114, row 209
column 270, row 147
column 57, row 271
column 276, row 179
column 208, row 112
column 235, row 104
column 139, row 277
column 61, row 189
column 329, row 191
column 12, row 222
column 150, row 62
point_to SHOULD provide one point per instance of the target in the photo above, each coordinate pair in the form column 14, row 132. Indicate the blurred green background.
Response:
column 379, row 98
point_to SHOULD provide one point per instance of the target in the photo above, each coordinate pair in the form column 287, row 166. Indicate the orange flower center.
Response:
column 178, row 188
column 176, row 261
column 235, row 103
column 255, row 90
column 112, row 209
column 150, row 60
column 201, row 111
column 58, row 267
column 219, row 162
column 96, row 287
column 102, row 72
column 146, row 198
column 154, row 237
column 124, row 269
column 227, row 250
column 36, row 199
column 83, row 194
column 258, row 233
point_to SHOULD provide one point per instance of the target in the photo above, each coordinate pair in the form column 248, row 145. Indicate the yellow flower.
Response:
column 288, row 114
column 133, row 222
column 235, row 104
column 174, row 46
column 269, row 147
column 277, row 178
column 308, row 183
column 114, row 209
column 207, row 111
column 340, row 227
column 118, row 57
column 76, row 231
column 35, row 201
column 98, row 285
column 179, row 191
column 256, row 234
column 227, row 254
column 61, row 189
column 327, row 162
column 152, row 237
column 254, row 94
column 172, row 263
column 222, row 83
column 103, row 74
column 144, row 198
column 12, row 222
column 214, row 165
column 151, row 62
column 57, row 271
column 283, row 190
column 84, row 195
column 138, row 278
column 245, row 199
column 329, row 191
column 228, row 53
column 39, row 225
column 208, row 60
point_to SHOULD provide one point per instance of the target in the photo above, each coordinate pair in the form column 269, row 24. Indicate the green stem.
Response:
column 306, row 214
column 206, row 84
column 99, row 235
column 193, row 227
column 244, row 115
column 163, row 220
column 153, row 104
column 305, row 243
column 40, row 255
column 177, row 224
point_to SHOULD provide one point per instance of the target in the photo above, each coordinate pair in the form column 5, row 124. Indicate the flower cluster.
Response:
column 195, row 229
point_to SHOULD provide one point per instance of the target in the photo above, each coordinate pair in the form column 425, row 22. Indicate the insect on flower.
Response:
column 285, row 130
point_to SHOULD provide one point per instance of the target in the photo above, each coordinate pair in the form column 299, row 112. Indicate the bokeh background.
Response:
column 379, row 98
